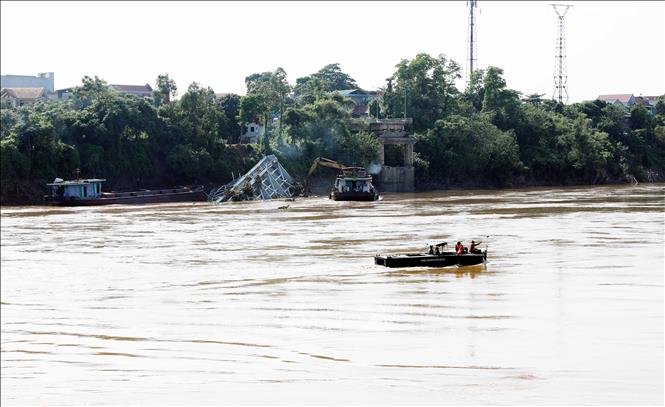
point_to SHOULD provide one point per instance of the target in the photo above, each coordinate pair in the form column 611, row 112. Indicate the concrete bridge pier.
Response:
column 397, row 178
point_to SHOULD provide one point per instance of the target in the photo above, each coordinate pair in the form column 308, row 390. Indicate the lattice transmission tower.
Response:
column 472, row 52
column 560, row 69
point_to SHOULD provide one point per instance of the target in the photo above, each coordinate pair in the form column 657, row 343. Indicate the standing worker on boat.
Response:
column 459, row 248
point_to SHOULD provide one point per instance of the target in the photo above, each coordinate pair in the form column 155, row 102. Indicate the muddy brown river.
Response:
column 246, row 303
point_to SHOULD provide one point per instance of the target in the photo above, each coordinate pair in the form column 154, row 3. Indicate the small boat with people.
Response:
column 436, row 256
column 88, row 192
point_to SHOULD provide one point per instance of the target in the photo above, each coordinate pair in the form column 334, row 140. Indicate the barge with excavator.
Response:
column 351, row 184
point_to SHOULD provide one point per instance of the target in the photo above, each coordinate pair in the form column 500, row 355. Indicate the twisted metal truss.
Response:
column 266, row 180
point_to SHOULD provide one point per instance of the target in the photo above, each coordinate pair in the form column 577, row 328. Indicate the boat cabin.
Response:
column 352, row 184
column 353, row 179
column 77, row 189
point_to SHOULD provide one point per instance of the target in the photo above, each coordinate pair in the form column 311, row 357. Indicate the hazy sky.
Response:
column 613, row 47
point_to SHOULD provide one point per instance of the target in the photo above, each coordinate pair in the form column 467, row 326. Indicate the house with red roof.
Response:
column 624, row 99
column 361, row 99
column 137, row 90
column 627, row 101
column 18, row 97
column 649, row 102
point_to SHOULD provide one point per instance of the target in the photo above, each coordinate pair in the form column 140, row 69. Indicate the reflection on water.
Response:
column 192, row 303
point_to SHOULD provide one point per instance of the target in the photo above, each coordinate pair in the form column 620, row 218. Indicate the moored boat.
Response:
column 88, row 192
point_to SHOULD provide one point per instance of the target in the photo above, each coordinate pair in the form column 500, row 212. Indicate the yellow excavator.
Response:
column 352, row 184
column 324, row 162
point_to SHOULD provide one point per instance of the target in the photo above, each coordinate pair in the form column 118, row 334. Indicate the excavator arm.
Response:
column 324, row 162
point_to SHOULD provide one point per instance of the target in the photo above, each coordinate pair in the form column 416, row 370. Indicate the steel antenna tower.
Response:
column 472, row 53
column 560, row 72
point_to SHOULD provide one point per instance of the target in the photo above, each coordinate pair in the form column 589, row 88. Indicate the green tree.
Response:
column 200, row 117
column 327, row 79
column 613, row 121
column 640, row 118
column 374, row 109
column 334, row 78
column 424, row 89
column 475, row 91
column 362, row 148
column 14, row 165
column 309, row 89
column 469, row 150
column 35, row 139
column 230, row 129
column 502, row 103
column 91, row 90
column 494, row 85
column 252, row 108
column 319, row 129
column 8, row 119
column 588, row 151
column 165, row 89
column 272, row 88
column 189, row 162
column 660, row 105
column 659, row 135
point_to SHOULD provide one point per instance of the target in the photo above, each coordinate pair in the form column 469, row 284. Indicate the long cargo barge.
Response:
column 88, row 192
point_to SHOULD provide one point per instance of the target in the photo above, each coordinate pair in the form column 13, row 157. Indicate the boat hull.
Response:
column 135, row 198
column 430, row 260
column 353, row 196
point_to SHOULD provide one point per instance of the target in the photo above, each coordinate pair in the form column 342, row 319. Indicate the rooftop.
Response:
column 622, row 97
column 24, row 93
column 133, row 88
column 58, row 182
column 358, row 91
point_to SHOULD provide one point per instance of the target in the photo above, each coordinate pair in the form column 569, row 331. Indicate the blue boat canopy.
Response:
column 90, row 188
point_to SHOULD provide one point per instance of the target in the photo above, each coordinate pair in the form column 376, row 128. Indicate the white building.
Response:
column 252, row 134
column 42, row 80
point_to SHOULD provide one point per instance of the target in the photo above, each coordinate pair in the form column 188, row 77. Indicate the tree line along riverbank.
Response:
column 485, row 135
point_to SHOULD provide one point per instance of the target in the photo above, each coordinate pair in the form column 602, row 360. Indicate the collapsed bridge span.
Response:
column 266, row 180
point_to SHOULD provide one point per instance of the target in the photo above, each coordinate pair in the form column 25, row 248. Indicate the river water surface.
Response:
column 246, row 303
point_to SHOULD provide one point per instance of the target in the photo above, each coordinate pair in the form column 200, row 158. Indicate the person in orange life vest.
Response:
column 474, row 247
column 459, row 248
